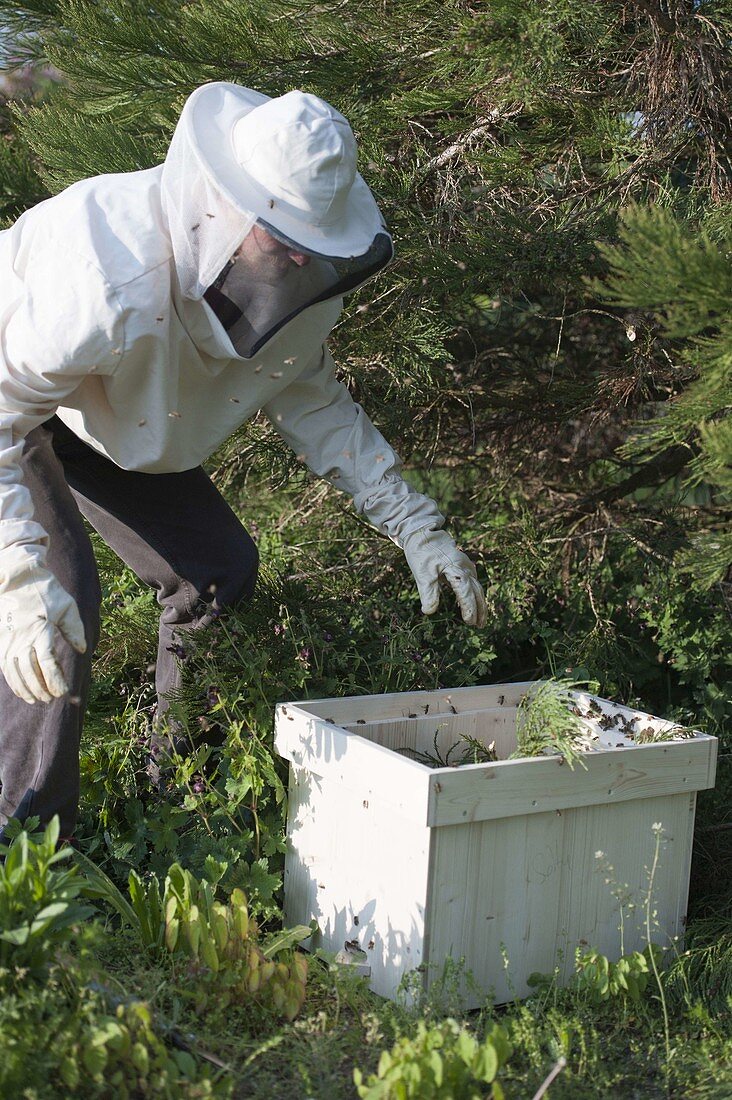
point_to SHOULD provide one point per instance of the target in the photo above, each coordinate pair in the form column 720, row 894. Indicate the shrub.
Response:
column 228, row 961
column 440, row 1062
column 38, row 902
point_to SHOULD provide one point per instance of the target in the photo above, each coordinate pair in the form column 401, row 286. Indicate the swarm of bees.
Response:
column 637, row 728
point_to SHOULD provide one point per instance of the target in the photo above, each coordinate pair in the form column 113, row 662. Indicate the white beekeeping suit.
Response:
column 123, row 313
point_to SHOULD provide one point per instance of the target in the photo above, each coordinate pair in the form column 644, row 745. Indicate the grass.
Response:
column 220, row 814
column 615, row 1049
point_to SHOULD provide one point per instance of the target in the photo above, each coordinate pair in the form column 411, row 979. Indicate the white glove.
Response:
column 33, row 606
column 433, row 554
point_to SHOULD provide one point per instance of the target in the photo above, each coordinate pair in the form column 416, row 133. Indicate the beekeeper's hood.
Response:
column 275, row 182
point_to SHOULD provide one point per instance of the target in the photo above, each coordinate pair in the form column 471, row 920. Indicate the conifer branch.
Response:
column 652, row 474
column 484, row 126
column 656, row 15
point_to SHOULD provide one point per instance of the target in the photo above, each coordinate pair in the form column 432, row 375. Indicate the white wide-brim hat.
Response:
column 289, row 160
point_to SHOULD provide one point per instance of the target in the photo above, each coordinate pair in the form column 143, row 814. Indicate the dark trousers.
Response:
column 178, row 535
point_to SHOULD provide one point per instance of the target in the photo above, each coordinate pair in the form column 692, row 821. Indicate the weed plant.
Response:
column 40, row 904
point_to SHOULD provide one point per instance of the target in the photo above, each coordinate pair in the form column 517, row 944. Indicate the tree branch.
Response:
column 655, row 472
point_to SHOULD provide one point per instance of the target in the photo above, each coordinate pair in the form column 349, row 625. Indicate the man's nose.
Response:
column 299, row 258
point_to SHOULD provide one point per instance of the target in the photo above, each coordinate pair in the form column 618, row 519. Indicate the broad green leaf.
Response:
column 487, row 1062
column 16, row 936
column 287, row 938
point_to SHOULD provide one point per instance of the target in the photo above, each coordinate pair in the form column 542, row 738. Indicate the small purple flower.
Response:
column 212, row 696
column 177, row 649
column 327, row 637
column 304, row 654
column 198, row 786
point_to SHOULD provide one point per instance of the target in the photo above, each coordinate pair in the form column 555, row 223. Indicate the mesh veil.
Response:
column 255, row 302
column 205, row 227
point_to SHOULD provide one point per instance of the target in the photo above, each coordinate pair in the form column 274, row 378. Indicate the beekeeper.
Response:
column 145, row 316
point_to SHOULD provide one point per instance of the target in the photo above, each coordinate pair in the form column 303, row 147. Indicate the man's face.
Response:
column 266, row 257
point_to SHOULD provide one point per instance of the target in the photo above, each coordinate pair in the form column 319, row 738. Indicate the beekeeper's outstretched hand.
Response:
column 432, row 555
column 33, row 608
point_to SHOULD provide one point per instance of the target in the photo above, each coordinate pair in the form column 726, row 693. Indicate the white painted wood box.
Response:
column 491, row 862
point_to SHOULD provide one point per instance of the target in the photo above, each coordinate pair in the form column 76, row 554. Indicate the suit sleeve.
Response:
column 328, row 430
column 59, row 323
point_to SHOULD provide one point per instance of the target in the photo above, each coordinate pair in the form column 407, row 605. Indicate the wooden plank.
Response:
column 684, row 865
column 480, row 792
column 595, row 889
column 360, row 870
column 366, row 769
column 419, row 734
column 400, row 704
column 522, row 894
column 493, row 898
column 713, row 761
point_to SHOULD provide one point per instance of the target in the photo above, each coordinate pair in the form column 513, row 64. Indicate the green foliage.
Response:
column 17, row 178
column 57, row 1043
column 122, row 1052
column 603, row 979
column 443, row 1061
column 546, row 722
column 20, row 186
column 704, row 968
column 39, row 909
column 685, row 278
column 473, row 752
column 222, row 940
column 228, row 961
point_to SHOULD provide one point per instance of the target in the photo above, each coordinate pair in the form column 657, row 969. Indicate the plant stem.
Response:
column 649, row 901
column 556, row 1070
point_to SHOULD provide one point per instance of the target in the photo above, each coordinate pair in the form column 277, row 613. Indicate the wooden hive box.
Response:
column 495, row 863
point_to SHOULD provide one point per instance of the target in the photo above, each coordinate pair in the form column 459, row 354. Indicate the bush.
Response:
column 440, row 1062
column 61, row 1042
column 227, row 960
column 38, row 903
